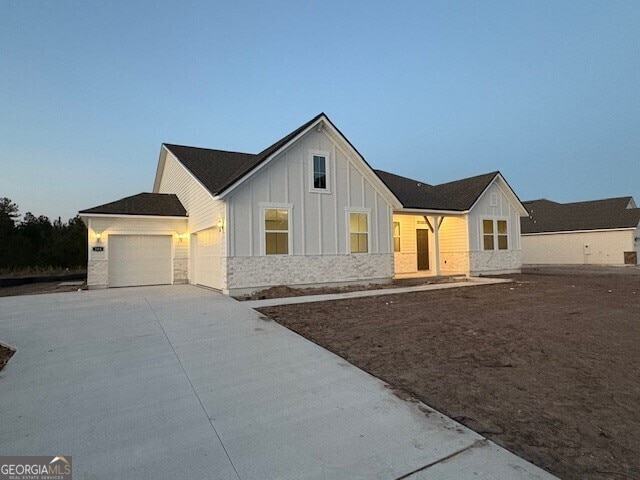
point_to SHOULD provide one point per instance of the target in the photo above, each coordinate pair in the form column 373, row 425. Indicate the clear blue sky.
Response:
column 548, row 92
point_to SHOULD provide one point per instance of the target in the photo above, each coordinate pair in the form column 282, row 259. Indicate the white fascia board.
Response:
column 523, row 211
column 123, row 215
column 266, row 161
column 580, row 231
column 419, row 211
column 160, row 168
column 370, row 174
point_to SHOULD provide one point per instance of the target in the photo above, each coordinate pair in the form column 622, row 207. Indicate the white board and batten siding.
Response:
column 496, row 203
column 318, row 222
column 319, row 244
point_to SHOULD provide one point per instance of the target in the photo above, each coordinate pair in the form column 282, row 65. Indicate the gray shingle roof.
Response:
column 219, row 169
column 154, row 204
column 454, row 196
column 548, row 216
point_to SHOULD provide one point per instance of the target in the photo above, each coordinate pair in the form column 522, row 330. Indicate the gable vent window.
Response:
column 495, row 233
column 319, row 174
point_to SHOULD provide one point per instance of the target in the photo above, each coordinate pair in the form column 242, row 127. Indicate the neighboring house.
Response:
column 605, row 232
column 308, row 210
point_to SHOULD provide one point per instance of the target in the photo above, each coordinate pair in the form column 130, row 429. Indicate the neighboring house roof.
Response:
column 460, row 195
column 218, row 170
column 610, row 213
column 153, row 204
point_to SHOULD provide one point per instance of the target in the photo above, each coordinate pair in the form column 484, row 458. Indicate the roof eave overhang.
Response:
column 395, row 202
column 221, row 195
column 523, row 211
column 429, row 211
column 130, row 215
column 593, row 230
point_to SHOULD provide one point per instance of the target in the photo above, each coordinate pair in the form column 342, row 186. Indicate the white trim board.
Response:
column 580, row 231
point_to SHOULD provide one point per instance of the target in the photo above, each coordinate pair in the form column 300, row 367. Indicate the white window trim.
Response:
column 348, row 212
column 399, row 236
column 495, row 234
column 263, row 231
column 327, row 165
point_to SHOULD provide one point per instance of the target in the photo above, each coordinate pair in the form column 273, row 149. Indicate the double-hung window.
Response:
column 276, row 231
column 495, row 233
column 358, row 232
column 319, row 172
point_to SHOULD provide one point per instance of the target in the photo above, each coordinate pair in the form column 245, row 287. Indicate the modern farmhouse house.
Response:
column 308, row 210
column 605, row 232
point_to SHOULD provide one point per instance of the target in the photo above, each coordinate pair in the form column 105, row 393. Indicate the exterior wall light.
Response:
column 98, row 237
column 182, row 236
column 221, row 225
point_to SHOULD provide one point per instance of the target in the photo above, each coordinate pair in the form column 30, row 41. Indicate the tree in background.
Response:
column 36, row 242
column 8, row 213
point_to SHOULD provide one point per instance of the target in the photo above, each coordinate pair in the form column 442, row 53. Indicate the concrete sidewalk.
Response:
column 472, row 282
column 178, row 381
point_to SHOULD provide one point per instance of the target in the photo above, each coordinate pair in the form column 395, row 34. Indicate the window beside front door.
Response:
column 396, row 236
column 495, row 235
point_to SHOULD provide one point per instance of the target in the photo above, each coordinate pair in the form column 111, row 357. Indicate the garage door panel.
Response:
column 139, row 260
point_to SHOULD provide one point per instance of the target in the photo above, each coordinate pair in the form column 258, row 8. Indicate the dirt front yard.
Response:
column 548, row 366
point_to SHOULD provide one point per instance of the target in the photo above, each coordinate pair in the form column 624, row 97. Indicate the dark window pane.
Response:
column 320, row 181
column 488, row 242
column 503, row 242
column 319, row 172
column 502, row 227
column 487, row 226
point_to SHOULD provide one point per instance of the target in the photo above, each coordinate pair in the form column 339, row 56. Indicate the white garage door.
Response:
column 207, row 258
column 139, row 260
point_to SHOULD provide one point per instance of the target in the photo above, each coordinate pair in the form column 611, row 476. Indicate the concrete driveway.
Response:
column 178, row 381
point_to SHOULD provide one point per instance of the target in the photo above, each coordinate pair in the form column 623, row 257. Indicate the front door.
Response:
column 422, row 236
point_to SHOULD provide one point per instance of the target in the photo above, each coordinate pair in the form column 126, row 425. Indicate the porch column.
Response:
column 436, row 229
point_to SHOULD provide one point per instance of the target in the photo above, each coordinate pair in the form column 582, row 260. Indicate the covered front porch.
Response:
column 430, row 244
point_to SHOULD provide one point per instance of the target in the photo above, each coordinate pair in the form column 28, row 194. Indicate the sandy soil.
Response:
column 35, row 288
column 284, row 291
column 548, row 367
